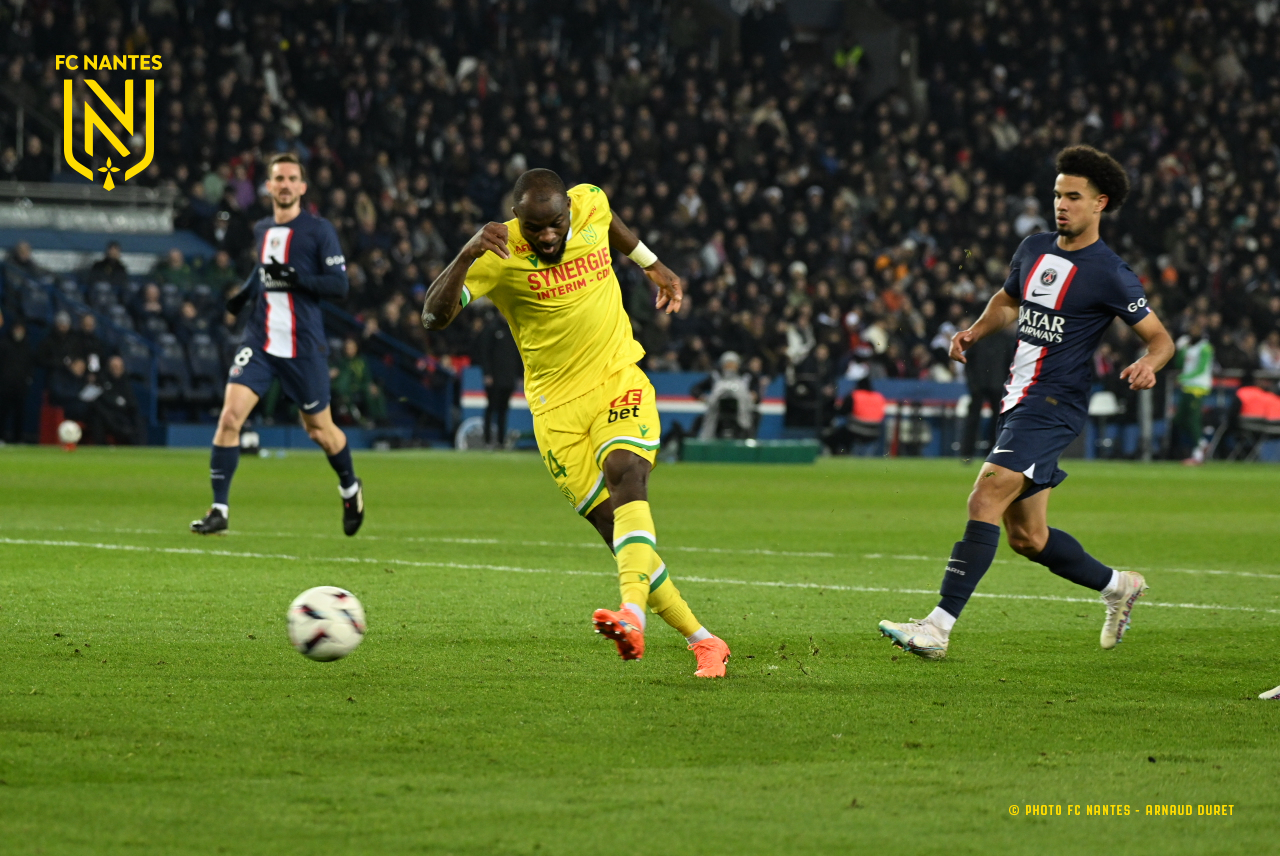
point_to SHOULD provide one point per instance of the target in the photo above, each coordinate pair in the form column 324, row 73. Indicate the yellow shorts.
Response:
column 575, row 437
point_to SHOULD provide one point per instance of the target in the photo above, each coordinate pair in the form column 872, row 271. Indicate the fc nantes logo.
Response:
column 125, row 115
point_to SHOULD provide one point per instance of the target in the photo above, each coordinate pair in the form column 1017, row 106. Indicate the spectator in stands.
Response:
column 357, row 398
column 220, row 274
column 115, row 413
column 174, row 268
column 9, row 164
column 190, row 322
column 16, row 365
column 20, row 258
column 1269, row 353
column 499, row 358
column 36, row 163
column 68, row 387
column 110, row 268
column 60, row 346
column 87, row 346
column 148, row 307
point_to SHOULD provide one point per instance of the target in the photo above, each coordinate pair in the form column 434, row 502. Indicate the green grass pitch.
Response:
column 151, row 704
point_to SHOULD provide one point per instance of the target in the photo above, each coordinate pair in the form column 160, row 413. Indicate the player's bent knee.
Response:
column 625, row 473
column 1025, row 543
column 231, row 420
column 1022, row 546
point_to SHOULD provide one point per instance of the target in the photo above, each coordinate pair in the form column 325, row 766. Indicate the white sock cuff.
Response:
column 639, row 611
column 941, row 619
column 218, row 506
column 348, row 492
column 698, row 635
column 1113, row 585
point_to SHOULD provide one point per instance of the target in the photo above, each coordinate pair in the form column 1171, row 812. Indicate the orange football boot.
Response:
column 712, row 656
column 623, row 627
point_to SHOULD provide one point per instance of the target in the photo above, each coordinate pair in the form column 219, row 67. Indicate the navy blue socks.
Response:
column 1063, row 555
column 342, row 465
column 222, row 466
column 970, row 559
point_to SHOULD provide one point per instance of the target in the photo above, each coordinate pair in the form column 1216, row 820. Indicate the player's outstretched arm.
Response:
column 444, row 297
column 236, row 302
column 670, row 288
column 1001, row 311
column 1160, row 349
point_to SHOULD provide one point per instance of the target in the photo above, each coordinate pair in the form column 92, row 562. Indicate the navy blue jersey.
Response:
column 288, row 323
column 1068, row 299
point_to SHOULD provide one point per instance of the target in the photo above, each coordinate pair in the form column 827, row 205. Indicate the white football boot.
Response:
column 922, row 638
column 1274, row 694
column 1119, row 605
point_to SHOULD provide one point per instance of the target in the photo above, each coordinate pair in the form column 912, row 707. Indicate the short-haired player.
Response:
column 549, row 271
column 299, row 262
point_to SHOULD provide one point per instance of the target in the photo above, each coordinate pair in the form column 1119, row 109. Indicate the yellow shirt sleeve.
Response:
column 483, row 275
column 592, row 200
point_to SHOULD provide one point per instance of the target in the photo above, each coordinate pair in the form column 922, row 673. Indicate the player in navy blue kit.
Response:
column 299, row 262
column 1063, row 290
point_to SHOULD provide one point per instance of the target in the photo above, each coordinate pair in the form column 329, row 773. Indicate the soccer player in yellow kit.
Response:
column 550, row 273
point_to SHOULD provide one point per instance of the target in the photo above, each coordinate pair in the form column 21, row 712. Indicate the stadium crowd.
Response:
column 821, row 234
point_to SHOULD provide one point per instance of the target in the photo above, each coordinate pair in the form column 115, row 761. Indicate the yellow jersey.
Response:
column 567, row 319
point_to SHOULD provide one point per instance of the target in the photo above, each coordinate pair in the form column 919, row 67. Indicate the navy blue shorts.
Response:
column 1029, row 440
column 304, row 379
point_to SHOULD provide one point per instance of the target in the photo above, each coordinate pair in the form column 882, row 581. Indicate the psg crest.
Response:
column 1048, row 277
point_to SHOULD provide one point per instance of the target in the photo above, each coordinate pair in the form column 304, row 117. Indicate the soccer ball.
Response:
column 69, row 432
column 326, row 623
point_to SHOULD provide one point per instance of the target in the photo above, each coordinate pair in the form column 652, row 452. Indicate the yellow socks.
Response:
column 665, row 599
column 643, row 577
column 634, row 547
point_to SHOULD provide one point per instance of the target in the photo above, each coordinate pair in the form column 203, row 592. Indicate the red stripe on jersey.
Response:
column 289, row 240
column 266, row 327
column 1062, row 295
column 293, row 328
column 1035, row 376
column 1030, row 273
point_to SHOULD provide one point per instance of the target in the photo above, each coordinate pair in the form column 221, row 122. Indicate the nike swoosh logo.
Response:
column 1000, row 451
column 1039, row 293
column 310, row 404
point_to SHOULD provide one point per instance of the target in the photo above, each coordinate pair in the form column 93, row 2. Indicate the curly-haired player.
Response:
column 1063, row 291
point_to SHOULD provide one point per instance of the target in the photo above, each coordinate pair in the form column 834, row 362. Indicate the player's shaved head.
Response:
column 535, row 186
column 541, row 205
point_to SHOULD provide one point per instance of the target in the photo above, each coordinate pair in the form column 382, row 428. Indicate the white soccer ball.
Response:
column 69, row 432
column 326, row 623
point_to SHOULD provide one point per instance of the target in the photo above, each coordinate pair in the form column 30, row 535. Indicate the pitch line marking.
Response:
column 592, row 545
column 365, row 560
column 908, row 558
